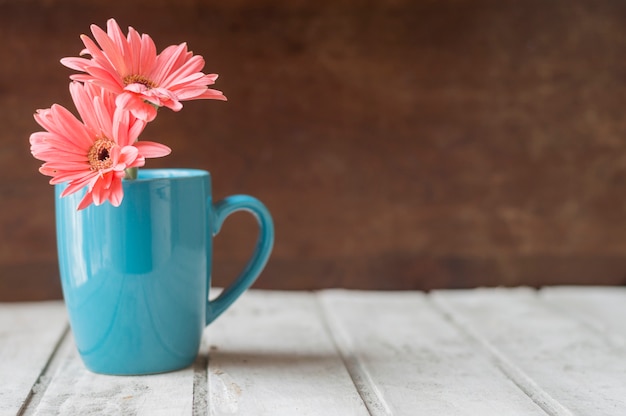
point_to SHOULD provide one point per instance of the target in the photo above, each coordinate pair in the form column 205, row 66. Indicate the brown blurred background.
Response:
column 399, row 145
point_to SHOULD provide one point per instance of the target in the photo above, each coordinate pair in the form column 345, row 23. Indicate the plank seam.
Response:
column 363, row 382
column 200, row 385
column 522, row 380
column 43, row 380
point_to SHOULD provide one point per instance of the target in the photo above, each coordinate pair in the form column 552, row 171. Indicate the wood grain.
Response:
column 75, row 390
column 29, row 336
column 446, row 144
column 549, row 353
column 494, row 351
column 284, row 353
column 407, row 359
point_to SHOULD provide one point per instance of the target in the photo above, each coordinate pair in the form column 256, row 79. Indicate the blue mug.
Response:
column 136, row 277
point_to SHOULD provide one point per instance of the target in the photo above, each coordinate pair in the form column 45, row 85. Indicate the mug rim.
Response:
column 145, row 175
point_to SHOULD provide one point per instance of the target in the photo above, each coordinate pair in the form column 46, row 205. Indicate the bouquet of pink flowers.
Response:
column 121, row 84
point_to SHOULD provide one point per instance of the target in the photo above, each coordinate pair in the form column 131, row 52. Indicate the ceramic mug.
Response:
column 136, row 277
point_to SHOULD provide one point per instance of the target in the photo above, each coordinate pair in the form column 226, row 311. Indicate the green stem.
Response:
column 131, row 173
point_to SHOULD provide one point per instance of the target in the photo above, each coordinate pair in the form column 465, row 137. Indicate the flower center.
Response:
column 138, row 79
column 99, row 155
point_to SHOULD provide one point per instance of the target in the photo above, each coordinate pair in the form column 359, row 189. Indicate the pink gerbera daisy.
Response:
column 143, row 81
column 93, row 153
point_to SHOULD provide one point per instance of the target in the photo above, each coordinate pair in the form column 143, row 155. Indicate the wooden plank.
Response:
column 29, row 333
column 408, row 359
column 271, row 354
column 74, row 390
column 558, row 360
column 601, row 308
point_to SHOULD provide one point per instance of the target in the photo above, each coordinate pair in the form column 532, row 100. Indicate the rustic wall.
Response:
column 399, row 145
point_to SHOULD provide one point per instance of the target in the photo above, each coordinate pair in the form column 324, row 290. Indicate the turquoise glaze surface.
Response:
column 136, row 278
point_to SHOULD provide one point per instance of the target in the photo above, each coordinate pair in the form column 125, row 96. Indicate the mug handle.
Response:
column 265, row 242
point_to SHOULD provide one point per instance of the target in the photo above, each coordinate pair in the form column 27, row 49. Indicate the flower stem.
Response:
column 130, row 173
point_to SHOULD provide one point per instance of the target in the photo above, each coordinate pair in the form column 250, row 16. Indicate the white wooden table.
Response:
column 558, row 351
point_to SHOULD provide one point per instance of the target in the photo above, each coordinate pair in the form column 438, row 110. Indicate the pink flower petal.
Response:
column 79, row 184
column 166, row 60
column 128, row 156
column 152, row 149
column 147, row 54
column 136, row 105
column 115, row 33
column 116, row 193
column 105, row 79
column 77, row 64
column 85, row 202
column 110, row 49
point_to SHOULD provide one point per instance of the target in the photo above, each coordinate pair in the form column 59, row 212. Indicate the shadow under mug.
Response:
column 136, row 277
